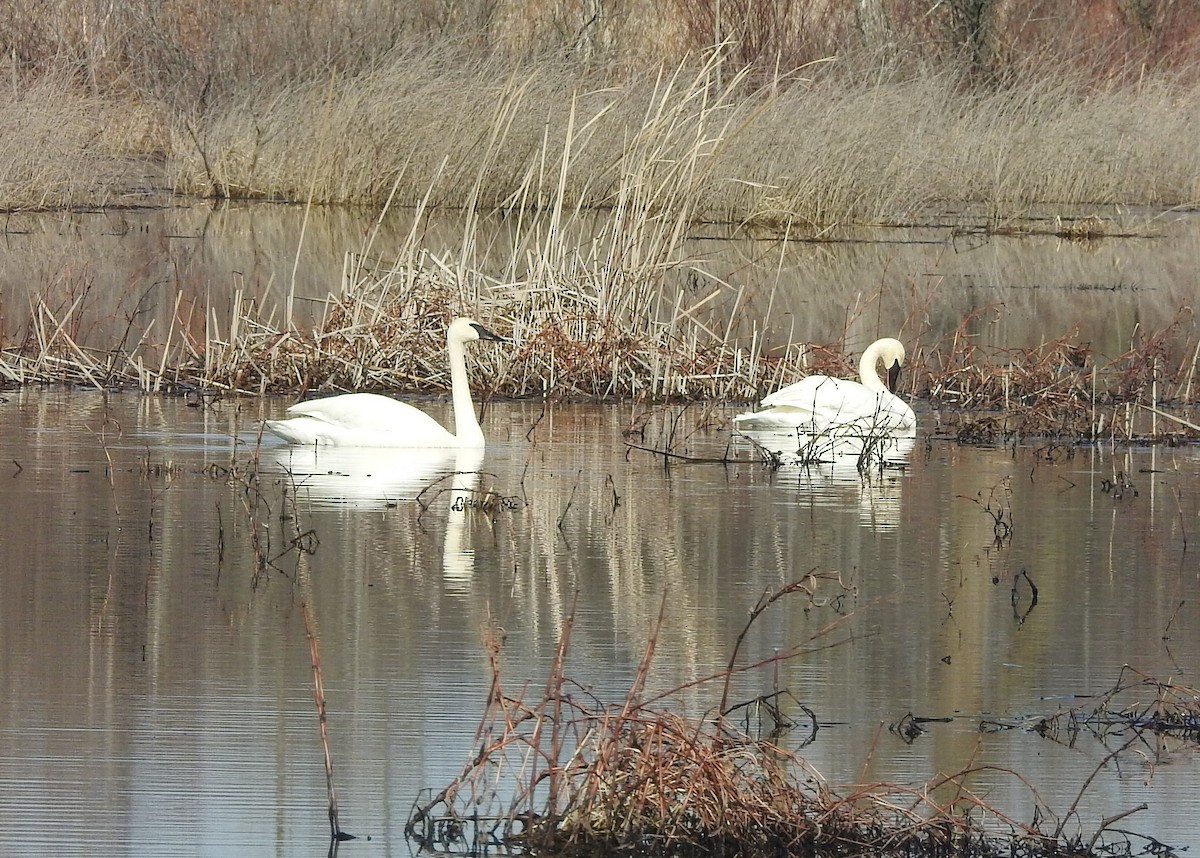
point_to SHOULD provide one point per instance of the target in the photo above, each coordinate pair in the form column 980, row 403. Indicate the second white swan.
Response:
column 371, row 420
column 820, row 404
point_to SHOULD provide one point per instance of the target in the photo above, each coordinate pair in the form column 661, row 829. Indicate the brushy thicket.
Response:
column 569, row 774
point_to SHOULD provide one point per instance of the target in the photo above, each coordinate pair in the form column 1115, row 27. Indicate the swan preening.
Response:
column 819, row 404
column 371, row 420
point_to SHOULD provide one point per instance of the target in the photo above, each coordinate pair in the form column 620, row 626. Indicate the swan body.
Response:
column 819, row 404
column 371, row 420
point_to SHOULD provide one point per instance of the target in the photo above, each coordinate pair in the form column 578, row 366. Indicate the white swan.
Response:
column 371, row 420
column 819, row 404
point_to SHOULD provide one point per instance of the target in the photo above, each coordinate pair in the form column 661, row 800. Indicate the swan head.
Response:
column 891, row 353
column 464, row 330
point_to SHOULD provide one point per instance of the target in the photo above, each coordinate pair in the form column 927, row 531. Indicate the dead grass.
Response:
column 60, row 148
column 1063, row 389
column 808, row 114
column 583, row 326
column 565, row 773
column 810, row 148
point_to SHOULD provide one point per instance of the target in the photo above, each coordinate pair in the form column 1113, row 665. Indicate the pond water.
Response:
column 158, row 692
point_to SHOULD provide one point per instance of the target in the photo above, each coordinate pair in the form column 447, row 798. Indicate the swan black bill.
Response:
column 893, row 376
column 485, row 334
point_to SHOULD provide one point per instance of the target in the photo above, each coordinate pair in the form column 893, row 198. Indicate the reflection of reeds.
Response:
column 568, row 774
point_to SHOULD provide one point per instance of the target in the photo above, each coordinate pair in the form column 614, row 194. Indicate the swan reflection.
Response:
column 458, row 557
column 371, row 477
column 439, row 482
column 836, row 467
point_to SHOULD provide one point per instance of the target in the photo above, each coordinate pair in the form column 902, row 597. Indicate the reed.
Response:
column 335, row 831
column 582, row 328
column 61, row 147
column 1063, row 389
column 809, row 148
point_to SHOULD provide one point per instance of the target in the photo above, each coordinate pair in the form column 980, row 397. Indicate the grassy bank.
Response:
column 816, row 147
column 801, row 118
column 793, row 124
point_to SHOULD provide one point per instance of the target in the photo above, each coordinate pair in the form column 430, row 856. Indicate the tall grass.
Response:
column 60, row 147
column 812, row 114
column 813, row 148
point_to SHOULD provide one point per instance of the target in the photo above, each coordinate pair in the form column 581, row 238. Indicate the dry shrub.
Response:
column 1063, row 389
column 386, row 329
column 567, row 774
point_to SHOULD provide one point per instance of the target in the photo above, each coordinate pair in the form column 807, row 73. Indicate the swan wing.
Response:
column 821, row 404
column 361, row 420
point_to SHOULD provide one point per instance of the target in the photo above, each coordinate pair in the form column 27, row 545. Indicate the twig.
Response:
column 335, row 830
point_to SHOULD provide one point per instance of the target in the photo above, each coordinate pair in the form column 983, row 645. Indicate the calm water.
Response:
column 132, row 276
column 157, row 684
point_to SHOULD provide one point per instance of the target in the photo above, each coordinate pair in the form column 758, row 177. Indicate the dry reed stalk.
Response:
column 335, row 830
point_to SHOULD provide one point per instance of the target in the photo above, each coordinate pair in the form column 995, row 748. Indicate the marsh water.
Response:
column 158, row 688
column 161, row 571
column 133, row 276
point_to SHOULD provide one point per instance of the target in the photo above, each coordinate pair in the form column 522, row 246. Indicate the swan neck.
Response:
column 466, row 424
column 867, row 372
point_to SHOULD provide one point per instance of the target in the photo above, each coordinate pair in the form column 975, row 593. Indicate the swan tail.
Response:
column 291, row 431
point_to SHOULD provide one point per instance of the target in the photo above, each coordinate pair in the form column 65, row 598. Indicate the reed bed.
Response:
column 565, row 773
column 1063, row 389
column 811, row 147
column 786, row 116
column 585, row 328
column 60, row 147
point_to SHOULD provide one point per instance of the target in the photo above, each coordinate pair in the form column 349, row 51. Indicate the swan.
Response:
column 371, row 420
column 819, row 404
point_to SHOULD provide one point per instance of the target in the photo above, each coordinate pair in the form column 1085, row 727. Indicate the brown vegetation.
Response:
column 568, row 774
column 807, row 114
column 582, row 329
